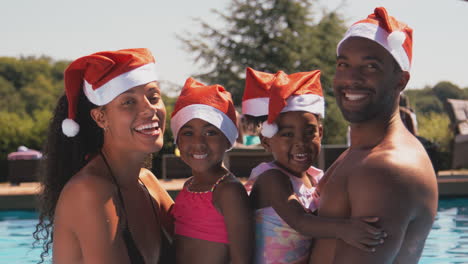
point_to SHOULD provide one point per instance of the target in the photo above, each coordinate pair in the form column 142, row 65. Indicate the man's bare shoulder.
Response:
column 401, row 172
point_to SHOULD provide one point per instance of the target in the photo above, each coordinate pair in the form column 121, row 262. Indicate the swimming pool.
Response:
column 446, row 244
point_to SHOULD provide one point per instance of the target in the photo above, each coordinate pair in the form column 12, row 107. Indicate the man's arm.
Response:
column 385, row 190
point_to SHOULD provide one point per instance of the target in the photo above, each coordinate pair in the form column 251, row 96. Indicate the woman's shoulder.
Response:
column 89, row 184
column 154, row 186
column 150, row 180
column 86, row 194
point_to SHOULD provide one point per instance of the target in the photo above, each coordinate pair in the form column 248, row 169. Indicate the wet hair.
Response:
column 63, row 157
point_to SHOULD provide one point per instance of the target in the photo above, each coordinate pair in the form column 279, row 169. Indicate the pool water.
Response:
column 447, row 243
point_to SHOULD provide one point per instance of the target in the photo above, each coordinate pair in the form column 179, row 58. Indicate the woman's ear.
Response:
column 99, row 117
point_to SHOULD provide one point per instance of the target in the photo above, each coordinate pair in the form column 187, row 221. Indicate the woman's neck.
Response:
column 124, row 167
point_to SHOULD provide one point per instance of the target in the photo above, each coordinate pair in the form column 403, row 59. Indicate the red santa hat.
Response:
column 103, row 76
column 212, row 104
column 256, row 92
column 300, row 91
column 395, row 36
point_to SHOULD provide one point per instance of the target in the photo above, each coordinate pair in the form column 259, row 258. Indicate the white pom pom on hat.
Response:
column 103, row 76
column 269, row 130
column 396, row 39
column 70, row 128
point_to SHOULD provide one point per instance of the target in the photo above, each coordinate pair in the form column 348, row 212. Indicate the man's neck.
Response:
column 370, row 133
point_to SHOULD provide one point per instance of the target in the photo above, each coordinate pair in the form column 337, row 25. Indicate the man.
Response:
column 386, row 171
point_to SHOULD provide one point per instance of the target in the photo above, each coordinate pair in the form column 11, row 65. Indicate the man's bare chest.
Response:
column 334, row 200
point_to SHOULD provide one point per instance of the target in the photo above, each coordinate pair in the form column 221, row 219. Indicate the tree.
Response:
column 29, row 89
column 10, row 100
column 447, row 90
column 424, row 101
column 267, row 35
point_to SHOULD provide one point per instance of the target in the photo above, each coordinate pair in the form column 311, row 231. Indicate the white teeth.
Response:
column 354, row 97
column 199, row 156
column 300, row 157
column 147, row 126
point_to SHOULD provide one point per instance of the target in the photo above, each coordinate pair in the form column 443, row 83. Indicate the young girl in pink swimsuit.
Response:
column 283, row 192
column 213, row 219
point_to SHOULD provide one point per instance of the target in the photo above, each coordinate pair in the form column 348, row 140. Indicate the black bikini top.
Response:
column 132, row 250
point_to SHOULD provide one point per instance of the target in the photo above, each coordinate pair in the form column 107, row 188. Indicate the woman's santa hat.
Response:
column 212, row 104
column 103, row 76
column 396, row 37
column 256, row 92
column 300, row 91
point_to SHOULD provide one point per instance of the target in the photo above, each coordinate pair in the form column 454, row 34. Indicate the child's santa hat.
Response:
column 396, row 37
column 300, row 91
column 256, row 92
column 212, row 104
column 103, row 76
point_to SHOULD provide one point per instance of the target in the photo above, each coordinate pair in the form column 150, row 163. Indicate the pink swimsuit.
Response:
column 196, row 217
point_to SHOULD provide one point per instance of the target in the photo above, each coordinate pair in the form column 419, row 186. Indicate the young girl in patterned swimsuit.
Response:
column 213, row 219
column 283, row 192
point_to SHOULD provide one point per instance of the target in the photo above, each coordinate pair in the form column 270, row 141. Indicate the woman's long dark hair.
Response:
column 63, row 157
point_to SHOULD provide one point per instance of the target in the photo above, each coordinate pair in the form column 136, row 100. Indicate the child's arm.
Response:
column 275, row 189
column 232, row 200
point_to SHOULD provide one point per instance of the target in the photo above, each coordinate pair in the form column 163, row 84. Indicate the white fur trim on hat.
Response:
column 113, row 88
column 70, row 128
column 256, row 106
column 311, row 103
column 269, row 130
column 379, row 35
column 207, row 113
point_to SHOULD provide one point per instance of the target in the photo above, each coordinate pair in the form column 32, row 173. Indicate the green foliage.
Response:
column 29, row 89
column 435, row 127
column 447, row 90
column 14, row 132
column 267, row 35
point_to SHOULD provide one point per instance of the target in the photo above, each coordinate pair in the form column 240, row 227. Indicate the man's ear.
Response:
column 265, row 142
column 99, row 117
column 320, row 130
column 403, row 80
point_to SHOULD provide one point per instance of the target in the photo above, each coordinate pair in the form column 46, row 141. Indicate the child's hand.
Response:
column 359, row 233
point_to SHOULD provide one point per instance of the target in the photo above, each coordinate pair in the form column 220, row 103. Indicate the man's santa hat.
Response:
column 256, row 92
column 103, row 76
column 301, row 91
column 395, row 36
column 212, row 104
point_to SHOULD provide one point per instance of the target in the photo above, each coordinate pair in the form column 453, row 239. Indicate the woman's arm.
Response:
column 233, row 202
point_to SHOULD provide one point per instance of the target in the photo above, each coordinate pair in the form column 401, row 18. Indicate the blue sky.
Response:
column 65, row 29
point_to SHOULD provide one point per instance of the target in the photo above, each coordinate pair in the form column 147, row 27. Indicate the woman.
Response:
column 98, row 204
